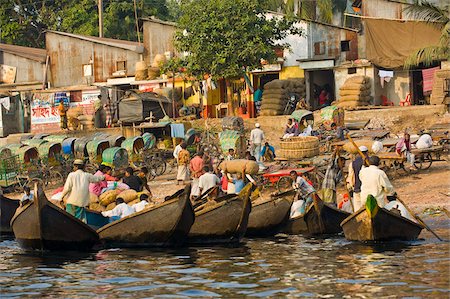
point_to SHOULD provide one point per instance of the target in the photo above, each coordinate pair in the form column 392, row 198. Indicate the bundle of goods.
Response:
column 154, row 71
column 86, row 121
column 355, row 92
column 239, row 166
column 107, row 200
column 277, row 94
column 234, row 123
column 141, row 71
column 72, row 117
column 351, row 149
column 299, row 147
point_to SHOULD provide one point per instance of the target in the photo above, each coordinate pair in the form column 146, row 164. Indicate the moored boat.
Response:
column 162, row 225
column 7, row 209
column 223, row 222
column 295, row 226
column 322, row 218
column 374, row 223
column 269, row 215
column 42, row 225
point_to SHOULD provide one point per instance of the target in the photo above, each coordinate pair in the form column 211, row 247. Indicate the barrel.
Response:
column 68, row 146
column 115, row 140
column 34, row 142
column 56, row 138
column 95, row 149
column 133, row 144
column 80, row 147
column 190, row 135
column 116, row 157
column 149, row 140
column 28, row 154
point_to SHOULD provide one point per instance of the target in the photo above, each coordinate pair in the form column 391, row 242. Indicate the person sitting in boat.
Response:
column 207, row 180
column 291, row 129
column 268, row 152
column 374, row 181
column 142, row 204
column 304, row 192
column 196, row 170
column 120, row 210
column 96, row 188
column 143, row 173
column 396, row 206
column 77, row 187
column 27, row 196
column 132, row 181
column 238, row 183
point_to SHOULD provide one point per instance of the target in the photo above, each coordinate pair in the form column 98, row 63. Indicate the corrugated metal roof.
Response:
column 27, row 52
column 117, row 43
column 158, row 21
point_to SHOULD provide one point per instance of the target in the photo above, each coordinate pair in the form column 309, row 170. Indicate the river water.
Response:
column 282, row 266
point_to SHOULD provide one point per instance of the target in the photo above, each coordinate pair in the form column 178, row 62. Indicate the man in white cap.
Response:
column 77, row 187
column 256, row 139
column 353, row 181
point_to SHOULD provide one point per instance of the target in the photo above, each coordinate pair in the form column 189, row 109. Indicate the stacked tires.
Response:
column 299, row 147
column 277, row 93
column 355, row 92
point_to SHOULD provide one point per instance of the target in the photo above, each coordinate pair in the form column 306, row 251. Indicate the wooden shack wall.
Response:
column 27, row 70
column 158, row 39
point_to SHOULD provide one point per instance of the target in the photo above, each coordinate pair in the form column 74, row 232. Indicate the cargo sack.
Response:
column 269, row 113
column 276, row 91
column 354, row 86
column 108, row 197
column 351, row 104
column 354, row 98
column 128, row 195
column 276, row 84
column 350, row 148
column 354, row 92
column 273, row 101
column 111, row 206
column 270, row 106
column 240, row 165
column 357, row 80
column 93, row 198
column 97, row 207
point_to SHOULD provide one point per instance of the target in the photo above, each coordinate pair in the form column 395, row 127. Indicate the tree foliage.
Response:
column 434, row 16
column 22, row 22
column 226, row 38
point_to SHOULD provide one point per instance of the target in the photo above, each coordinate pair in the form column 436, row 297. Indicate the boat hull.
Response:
column 225, row 222
column 40, row 225
column 324, row 219
column 165, row 225
column 384, row 226
column 8, row 208
column 268, row 217
column 295, row 226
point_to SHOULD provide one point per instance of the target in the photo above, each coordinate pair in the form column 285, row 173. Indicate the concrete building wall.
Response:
column 158, row 39
column 27, row 70
column 396, row 89
column 68, row 55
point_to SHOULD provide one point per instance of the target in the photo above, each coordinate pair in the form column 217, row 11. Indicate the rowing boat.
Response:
column 268, row 216
column 43, row 226
column 163, row 225
column 7, row 209
column 374, row 223
column 323, row 218
column 295, row 226
column 223, row 222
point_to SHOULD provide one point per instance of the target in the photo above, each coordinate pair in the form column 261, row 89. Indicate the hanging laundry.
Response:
column 5, row 102
column 385, row 76
column 428, row 78
column 177, row 130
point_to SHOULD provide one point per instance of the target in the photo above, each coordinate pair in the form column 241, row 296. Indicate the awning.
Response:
column 390, row 42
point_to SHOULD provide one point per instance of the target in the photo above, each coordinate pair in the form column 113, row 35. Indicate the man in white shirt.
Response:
column 207, row 180
column 256, row 139
column 425, row 141
column 177, row 150
column 121, row 210
column 396, row 206
column 77, row 187
column 374, row 181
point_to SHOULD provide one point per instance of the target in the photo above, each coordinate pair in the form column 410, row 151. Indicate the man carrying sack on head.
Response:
column 77, row 187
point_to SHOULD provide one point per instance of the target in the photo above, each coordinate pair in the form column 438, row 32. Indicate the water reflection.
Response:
column 283, row 266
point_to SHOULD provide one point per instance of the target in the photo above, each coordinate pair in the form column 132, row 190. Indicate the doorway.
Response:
column 319, row 81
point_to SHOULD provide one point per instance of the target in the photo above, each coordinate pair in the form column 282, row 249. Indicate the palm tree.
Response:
column 434, row 16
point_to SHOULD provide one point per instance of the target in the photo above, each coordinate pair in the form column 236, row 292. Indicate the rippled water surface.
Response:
column 278, row 267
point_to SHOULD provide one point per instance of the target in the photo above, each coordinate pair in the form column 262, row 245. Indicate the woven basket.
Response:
column 300, row 143
column 298, row 153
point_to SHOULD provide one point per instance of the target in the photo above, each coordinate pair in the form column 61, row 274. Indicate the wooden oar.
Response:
column 359, row 151
column 419, row 220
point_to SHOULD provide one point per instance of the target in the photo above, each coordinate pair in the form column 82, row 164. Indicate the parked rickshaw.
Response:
column 116, row 158
column 95, row 150
column 135, row 147
column 56, row 138
column 50, row 153
column 115, row 140
column 80, row 147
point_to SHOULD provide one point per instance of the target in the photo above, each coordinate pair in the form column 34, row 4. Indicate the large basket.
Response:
column 298, row 153
column 300, row 143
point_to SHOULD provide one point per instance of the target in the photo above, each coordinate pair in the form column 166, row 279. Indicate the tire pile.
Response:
column 299, row 147
column 355, row 92
column 277, row 93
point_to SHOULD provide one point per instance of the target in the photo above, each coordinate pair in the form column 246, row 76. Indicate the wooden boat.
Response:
column 224, row 222
column 295, row 226
column 7, row 209
column 42, row 225
column 374, row 223
column 167, row 224
column 270, row 215
column 322, row 218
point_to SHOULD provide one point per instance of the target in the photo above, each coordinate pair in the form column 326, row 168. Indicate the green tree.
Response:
column 229, row 37
column 434, row 16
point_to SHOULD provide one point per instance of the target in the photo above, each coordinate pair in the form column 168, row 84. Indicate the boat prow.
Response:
column 270, row 215
column 373, row 223
column 7, row 209
column 163, row 225
column 43, row 226
column 324, row 219
column 223, row 222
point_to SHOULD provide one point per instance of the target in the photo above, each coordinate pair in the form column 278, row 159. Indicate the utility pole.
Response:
column 100, row 18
